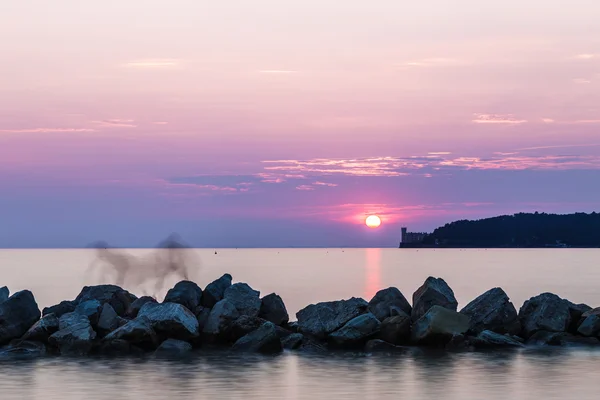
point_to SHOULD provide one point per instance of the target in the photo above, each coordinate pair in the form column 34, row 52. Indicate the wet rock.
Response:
column 202, row 314
column 459, row 343
column 273, row 309
column 4, row 294
column 321, row 319
column 388, row 301
column 173, row 347
column 590, row 326
column 120, row 299
column 396, row 330
column 434, row 292
column 186, row 293
column 540, row 338
column 220, row 320
column 137, row 332
column 576, row 311
column 593, row 311
column 282, row 332
column 109, row 320
column 438, row 326
column 245, row 299
column 546, row 312
column 380, row 346
column 91, row 309
column 42, row 330
column 119, row 347
column 292, row 326
column 491, row 340
column 565, row 339
column 262, row 340
column 214, row 292
column 75, row 335
column 356, row 332
column 293, row 341
column 24, row 350
column 243, row 326
column 134, row 308
column 492, row 311
column 17, row 315
column 60, row 309
column 171, row 320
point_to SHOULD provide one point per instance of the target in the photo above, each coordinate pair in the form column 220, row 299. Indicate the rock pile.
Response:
column 107, row 319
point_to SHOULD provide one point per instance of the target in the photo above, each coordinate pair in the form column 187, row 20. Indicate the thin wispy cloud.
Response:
column 587, row 56
column 547, row 120
column 501, row 119
column 160, row 123
column 318, row 183
column 587, row 121
column 563, row 146
column 433, row 62
column 116, row 123
column 48, row 130
column 305, row 187
column 154, row 63
column 581, row 81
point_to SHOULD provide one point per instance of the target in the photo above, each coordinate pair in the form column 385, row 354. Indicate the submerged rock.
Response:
column 173, row 347
column 134, row 308
column 492, row 311
column 380, row 346
column 186, row 293
column 60, row 309
column 75, row 335
column 137, row 332
column 24, row 350
column 171, row 320
column 214, row 292
column 490, row 340
column 383, row 303
column 119, row 347
column 545, row 312
column 17, row 315
column 273, row 309
column 4, row 294
column 434, row 292
column 590, row 326
column 42, row 330
column 321, row 319
column 245, row 299
column 396, row 329
column 357, row 331
column 220, row 320
column 119, row 298
column 438, row 326
column 262, row 340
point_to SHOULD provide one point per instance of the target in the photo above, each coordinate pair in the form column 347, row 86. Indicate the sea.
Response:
column 302, row 277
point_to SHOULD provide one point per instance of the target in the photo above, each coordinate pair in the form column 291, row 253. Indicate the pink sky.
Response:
column 307, row 112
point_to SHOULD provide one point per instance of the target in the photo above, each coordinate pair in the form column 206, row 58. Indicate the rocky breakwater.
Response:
column 108, row 320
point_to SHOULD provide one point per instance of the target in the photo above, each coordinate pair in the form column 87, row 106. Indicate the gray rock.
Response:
column 438, row 326
column 120, row 299
column 546, row 312
column 273, row 309
column 292, row 326
column 293, row 341
column 173, row 347
column 488, row 339
column 220, row 320
column 17, row 315
column 134, row 308
column 137, row 332
column 565, row 339
column 244, row 298
column 171, row 320
column 321, row 319
column 396, row 330
column 576, row 311
column 590, row 326
column 434, row 292
column 214, row 292
column 42, row 330
column 356, row 332
column 23, row 350
column 119, row 347
column 380, row 346
column 262, row 340
column 60, row 309
column 4, row 294
column 492, row 311
column 243, row 326
column 540, row 338
column 186, row 293
column 593, row 311
column 91, row 309
column 388, row 301
column 75, row 335
column 202, row 314
column 108, row 321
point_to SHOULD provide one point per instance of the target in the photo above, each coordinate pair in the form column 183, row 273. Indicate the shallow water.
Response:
column 305, row 276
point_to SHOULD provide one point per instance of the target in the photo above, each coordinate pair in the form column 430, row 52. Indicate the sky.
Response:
column 273, row 123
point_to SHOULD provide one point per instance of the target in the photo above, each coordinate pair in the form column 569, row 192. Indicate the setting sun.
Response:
column 373, row 221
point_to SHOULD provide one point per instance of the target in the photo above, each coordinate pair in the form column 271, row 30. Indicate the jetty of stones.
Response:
column 108, row 320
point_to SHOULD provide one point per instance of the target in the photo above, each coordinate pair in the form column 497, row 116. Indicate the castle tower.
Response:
column 404, row 234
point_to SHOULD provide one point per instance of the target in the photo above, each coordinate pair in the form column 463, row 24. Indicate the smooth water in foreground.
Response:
column 306, row 276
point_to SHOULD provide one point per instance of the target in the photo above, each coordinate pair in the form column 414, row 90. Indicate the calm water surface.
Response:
column 306, row 276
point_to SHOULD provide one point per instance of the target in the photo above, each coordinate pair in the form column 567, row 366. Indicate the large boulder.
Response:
column 4, row 294
column 545, row 312
column 590, row 326
column 388, row 301
column 576, row 311
column 438, row 326
column 186, row 293
column 91, row 309
column 488, row 339
column 244, row 298
column 171, row 320
column 134, row 308
column 563, row 339
column 17, row 315
column 137, row 332
column 492, row 311
column 243, row 326
column 42, row 330
column 273, row 309
column 293, row 341
column 262, row 340
column 396, row 329
column 173, row 347
column 356, row 332
column 220, row 320
column 321, row 319
column 120, row 299
column 214, row 292
column 75, row 335
column 23, row 350
column 434, row 292
column 109, row 320
column 60, row 309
